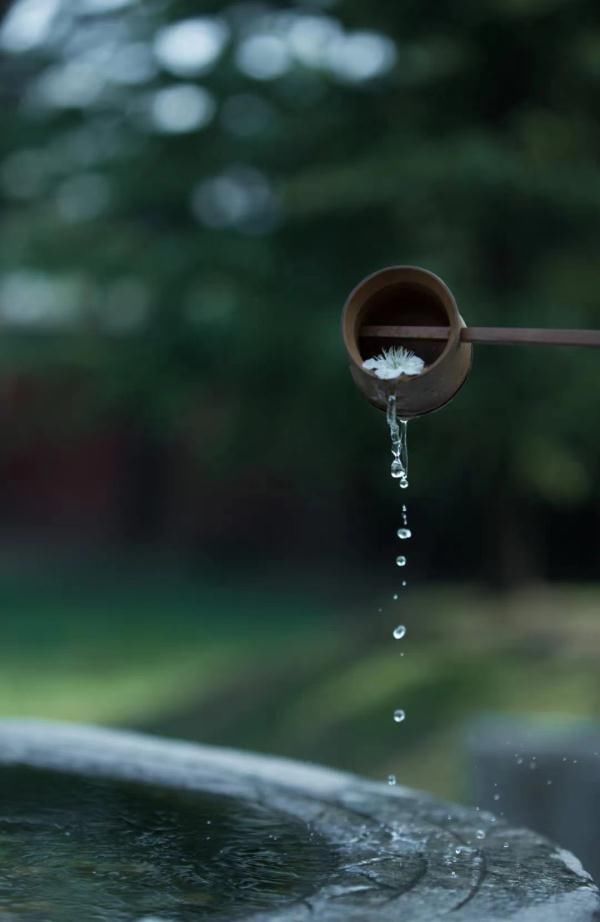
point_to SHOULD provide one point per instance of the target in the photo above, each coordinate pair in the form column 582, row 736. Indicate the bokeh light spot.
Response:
column 263, row 57
column 182, row 108
column 191, row 47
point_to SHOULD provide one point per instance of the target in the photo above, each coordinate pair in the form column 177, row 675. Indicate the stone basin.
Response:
column 200, row 833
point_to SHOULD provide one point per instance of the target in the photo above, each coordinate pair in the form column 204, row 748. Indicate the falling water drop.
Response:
column 404, row 533
column 400, row 561
column 399, row 716
column 404, row 584
column 391, row 780
column 480, row 834
column 399, row 632
column 398, row 434
column 395, row 597
column 397, row 470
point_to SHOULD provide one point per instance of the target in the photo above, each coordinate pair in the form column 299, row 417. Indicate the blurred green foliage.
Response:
column 194, row 276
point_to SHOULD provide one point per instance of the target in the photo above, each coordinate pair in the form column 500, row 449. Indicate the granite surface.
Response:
column 400, row 854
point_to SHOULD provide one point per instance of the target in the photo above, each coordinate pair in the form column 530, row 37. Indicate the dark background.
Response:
column 197, row 524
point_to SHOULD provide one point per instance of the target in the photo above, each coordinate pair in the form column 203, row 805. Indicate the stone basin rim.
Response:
column 399, row 847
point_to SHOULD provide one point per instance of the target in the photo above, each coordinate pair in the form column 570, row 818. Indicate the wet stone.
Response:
column 218, row 835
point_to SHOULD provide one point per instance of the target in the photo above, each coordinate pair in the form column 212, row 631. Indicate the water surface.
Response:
column 74, row 849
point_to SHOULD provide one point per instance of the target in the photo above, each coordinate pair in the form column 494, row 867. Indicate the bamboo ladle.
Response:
column 411, row 307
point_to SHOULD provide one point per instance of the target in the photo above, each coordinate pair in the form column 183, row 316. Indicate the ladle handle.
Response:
column 501, row 336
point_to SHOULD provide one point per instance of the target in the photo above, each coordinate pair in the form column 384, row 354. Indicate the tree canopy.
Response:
column 190, row 190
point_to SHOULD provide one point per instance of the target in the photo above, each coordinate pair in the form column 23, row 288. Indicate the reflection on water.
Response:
column 73, row 849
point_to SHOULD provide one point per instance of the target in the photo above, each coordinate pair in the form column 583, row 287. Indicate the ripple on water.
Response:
column 132, row 852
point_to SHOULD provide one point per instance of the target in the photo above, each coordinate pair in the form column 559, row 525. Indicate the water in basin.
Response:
column 74, row 848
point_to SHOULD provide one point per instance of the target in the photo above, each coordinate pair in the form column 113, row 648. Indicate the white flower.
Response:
column 394, row 362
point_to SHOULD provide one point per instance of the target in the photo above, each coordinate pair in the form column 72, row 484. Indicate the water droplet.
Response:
column 380, row 609
column 397, row 469
column 399, row 716
column 391, row 780
column 458, row 850
column 480, row 834
column 395, row 597
column 400, row 561
column 520, row 761
column 398, row 435
column 404, row 533
column 549, row 781
column 452, row 873
column 399, row 632
column 496, row 797
column 506, row 845
column 404, row 484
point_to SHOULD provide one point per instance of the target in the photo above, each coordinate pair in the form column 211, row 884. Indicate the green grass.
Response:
column 289, row 674
column 123, row 654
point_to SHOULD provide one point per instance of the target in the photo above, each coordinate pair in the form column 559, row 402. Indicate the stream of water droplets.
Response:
column 398, row 433
column 399, row 470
